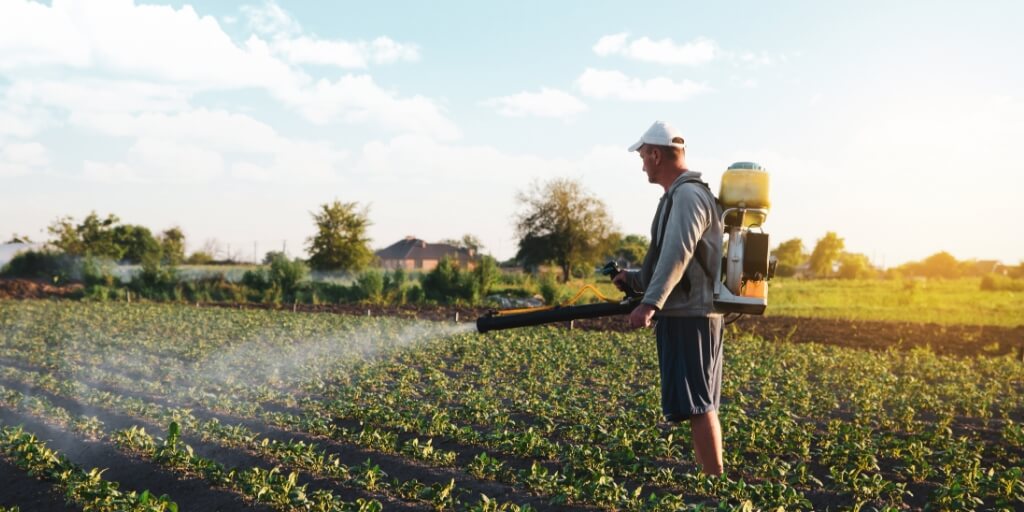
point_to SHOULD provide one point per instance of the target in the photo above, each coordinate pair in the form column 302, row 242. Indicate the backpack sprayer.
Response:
column 742, row 287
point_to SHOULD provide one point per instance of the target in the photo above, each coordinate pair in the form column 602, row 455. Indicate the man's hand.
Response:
column 641, row 316
column 620, row 281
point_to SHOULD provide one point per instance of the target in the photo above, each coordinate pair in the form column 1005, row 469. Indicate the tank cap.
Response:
column 747, row 165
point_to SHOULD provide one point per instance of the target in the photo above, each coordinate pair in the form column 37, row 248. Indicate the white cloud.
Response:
column 288, row 41
column 95, row 95
column 20, row 121
column 159, row 57
column 385, row 50
column 33, row 34
column 358, row 99
column 605, row 84
column 546, row 103
column 757, row 59
column 663, row 51
column 249, row 148
column 109, row 172
column 19, row 158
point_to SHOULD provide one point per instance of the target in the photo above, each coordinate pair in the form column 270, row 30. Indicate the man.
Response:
column 678, row 282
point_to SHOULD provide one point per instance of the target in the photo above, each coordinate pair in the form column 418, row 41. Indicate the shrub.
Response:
column 486, row 274
column 996, row 282
column 370, row 285
column 54, row 266
column 550, row 290
column 447, row 284
column 155, row 280
column 199, row 258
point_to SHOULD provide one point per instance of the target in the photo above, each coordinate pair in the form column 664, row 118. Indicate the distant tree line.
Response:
column 829, row 259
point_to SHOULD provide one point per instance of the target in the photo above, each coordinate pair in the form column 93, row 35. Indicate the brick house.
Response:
column 412, row 253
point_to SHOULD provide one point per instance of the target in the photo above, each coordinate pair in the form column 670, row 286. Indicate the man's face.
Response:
column 648, row 156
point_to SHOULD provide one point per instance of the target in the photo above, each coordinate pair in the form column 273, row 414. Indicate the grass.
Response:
column 943, row 301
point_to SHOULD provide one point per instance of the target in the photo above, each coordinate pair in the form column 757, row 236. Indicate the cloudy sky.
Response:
column 896, row 124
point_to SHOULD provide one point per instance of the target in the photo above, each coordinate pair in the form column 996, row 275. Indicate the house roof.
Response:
column 412, row 248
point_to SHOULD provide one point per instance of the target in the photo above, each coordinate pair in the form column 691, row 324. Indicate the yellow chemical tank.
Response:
column 745, row 185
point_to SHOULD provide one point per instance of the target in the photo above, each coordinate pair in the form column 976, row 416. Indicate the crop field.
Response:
column 110, row 406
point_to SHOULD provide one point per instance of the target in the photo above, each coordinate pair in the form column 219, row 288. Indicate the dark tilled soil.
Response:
column 131, row 473
column 26, row 492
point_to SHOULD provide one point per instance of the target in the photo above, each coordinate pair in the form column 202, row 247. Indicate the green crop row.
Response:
column 87, row 489
column 571, row 416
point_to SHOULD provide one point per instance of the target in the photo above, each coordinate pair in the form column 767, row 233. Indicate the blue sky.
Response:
column 895, row 124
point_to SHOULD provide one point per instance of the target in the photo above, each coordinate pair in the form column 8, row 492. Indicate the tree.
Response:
column 826, row 253
column 854, row 266
column 468, row 241
column 136, row 242
column 340, row 242
column 172, row 246
column 630, row 249
column 93, row 237
column 19, row 239
column 940, row 264
column 790, row 255
column 486, row 274
column 562, row 224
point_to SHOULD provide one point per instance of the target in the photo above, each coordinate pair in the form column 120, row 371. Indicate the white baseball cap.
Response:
column 660, row 134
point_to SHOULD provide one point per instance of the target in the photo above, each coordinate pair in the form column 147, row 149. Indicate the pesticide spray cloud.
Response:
column 267, row 360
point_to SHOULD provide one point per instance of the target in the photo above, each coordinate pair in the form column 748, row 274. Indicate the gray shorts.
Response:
column 690, row 360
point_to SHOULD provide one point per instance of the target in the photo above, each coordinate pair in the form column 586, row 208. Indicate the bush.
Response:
column 446, row 284
column 156, row 281
column 54, row 266
column 370, row 285
column 199, row 258
column 550, row 290
column 996, row 282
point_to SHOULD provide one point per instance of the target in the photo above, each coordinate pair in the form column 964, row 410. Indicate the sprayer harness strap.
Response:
column 656, row 238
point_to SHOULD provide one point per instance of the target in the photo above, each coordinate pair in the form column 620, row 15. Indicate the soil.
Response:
column 35, row 289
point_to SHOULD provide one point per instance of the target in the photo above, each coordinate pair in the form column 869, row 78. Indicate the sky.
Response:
column 894, row 124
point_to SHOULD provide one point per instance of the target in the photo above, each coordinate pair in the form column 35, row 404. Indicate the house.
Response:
column 412, row 253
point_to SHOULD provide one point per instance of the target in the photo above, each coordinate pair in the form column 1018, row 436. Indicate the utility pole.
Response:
column 284, row 248
column 255, row 252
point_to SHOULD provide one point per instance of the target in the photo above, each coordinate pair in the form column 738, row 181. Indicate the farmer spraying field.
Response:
column 685, row 286
column 678, row 291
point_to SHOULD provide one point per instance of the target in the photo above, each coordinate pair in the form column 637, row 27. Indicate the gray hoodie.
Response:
column 682, row 264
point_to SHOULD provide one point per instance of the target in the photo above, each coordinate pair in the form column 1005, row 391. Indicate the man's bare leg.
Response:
column 707, row 442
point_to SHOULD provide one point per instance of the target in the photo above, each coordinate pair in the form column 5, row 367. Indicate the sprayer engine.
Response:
column 746, row 267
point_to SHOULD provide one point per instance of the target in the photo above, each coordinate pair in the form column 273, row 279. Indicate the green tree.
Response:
column 136, row 242
column 854, row 266
column 562, row 224
column 340, row 242
column 825, row 254
column 468, row 241
column 486, row 273
column 630, row 249
column 172, row 246
column 940, row 264
column 92, row 237
column 790, row 255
